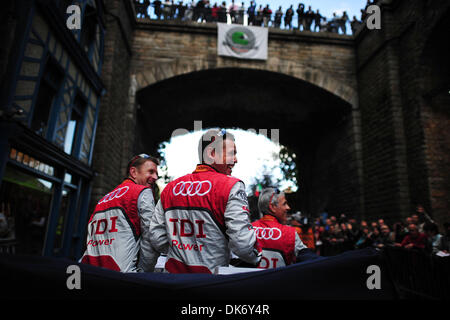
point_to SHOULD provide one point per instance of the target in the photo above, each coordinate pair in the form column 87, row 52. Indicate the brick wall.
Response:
column 403, row 136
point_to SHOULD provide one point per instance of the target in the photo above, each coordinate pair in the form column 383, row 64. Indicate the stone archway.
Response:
column 163, row 71
column 315, row 122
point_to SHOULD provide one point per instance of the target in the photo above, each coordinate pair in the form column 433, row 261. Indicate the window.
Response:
column 25, row 201
column 48, row 90
column 74, row 126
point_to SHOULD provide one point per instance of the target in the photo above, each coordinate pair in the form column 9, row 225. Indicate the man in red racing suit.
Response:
column 281, row 245
column 203, row 215
column 118, row 237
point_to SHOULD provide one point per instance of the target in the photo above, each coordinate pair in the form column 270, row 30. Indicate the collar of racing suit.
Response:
column 128, row 178
column 204, row 168
column 270, row 217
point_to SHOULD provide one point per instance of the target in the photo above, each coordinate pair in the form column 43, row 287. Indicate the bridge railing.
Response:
column 163, row 11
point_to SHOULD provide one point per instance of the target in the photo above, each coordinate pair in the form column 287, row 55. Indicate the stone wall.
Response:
column 166, row 49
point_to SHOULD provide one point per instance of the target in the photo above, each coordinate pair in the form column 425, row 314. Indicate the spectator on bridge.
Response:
column 181, row 11
column 173, row 9
column 232, row 10
column 301, row 16
column 267, row 15
column 309, row 17
column 414, row 240
column 208, row 12
column 278, row 16
column 333, row 24
column 343, row 22
column 259, row 16
column 198, row 11
column 317, row 20
column 288, row 18
column 215, row 13
column 189, row 13
column 222, row 12
column 355, row 24
column 166, row 10
column 251, row 11
column 324, row 25
column 157, row 6
column 241, row 13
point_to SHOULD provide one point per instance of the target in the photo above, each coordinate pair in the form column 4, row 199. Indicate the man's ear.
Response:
column 209, row 154
column 133, row 172
column 271, row 207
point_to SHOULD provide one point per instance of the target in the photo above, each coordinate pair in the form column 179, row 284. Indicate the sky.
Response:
column 255, row 154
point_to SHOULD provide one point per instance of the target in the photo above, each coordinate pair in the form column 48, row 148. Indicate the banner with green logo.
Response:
column 242, row 41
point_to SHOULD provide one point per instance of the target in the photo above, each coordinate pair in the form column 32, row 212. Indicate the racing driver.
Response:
column 202, row 215
column 280, row 243
column 118, row 229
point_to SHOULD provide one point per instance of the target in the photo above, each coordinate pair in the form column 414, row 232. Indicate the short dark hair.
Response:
column 139, row 160
column 211, row 138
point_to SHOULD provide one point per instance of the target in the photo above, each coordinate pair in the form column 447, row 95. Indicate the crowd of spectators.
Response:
column 257, row 15
column 333, row 235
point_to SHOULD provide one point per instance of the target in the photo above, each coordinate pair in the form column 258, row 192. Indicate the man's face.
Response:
column 413, row 230
column 146, row 174
column 225, row 159
column 281, row 209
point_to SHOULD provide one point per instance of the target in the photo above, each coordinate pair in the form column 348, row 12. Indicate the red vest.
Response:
column 277, row 242
column 114, row 229
column 124, row 196
column 205, row 190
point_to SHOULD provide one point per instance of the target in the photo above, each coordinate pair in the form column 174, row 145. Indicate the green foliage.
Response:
column 288, row 165
column 164, row 171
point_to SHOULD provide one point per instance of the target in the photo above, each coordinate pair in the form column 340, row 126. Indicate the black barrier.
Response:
column 417, row 274
column 353, row 275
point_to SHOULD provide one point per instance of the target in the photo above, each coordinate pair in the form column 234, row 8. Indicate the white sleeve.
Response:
column 299, row 245
column 158, row 232
column 148, row 256
column 242, row 237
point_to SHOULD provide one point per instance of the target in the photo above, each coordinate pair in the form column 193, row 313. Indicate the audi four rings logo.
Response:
column 192, row 188
column 268, row 233
column 116, row 194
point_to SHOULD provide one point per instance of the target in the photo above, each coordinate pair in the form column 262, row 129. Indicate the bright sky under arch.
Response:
column 256, row 154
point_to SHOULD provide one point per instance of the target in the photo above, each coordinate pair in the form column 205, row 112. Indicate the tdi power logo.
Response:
column 240, row 40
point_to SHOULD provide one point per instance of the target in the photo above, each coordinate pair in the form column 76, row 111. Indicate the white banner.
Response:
column 242, row 42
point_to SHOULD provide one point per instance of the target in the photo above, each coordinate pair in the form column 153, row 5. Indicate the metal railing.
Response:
column 418, row 274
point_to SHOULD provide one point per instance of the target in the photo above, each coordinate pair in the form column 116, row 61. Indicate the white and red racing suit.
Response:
column 200, row 217
column 280, row 243
column 118, row 230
